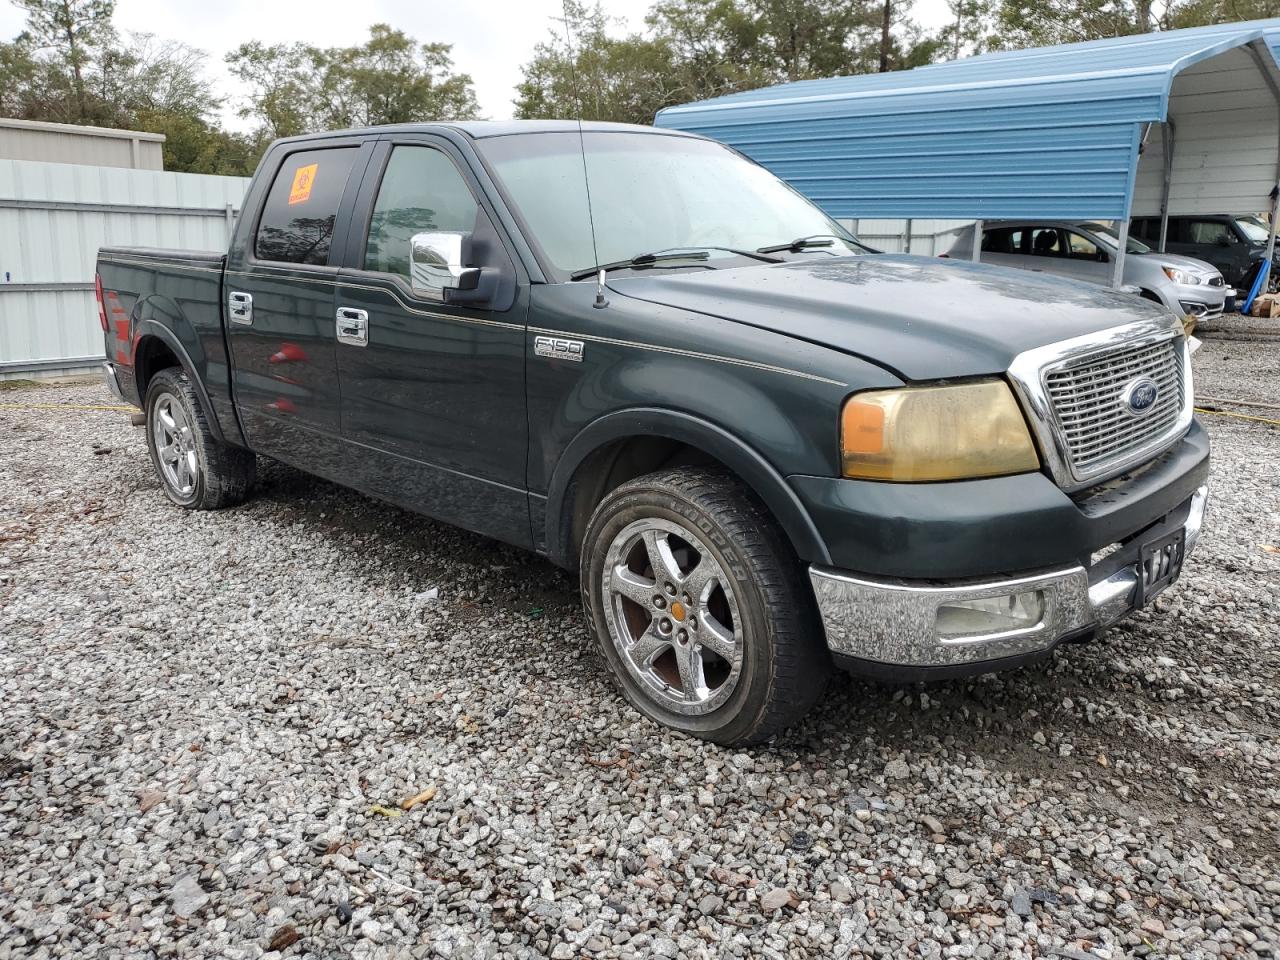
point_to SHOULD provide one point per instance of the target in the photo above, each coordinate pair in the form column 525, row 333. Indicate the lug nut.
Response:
column 682, row 637
column 671, row 590
column 659, row 602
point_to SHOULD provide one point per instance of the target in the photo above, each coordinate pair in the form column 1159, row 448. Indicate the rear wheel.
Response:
column 700, row 609
column 196, row 471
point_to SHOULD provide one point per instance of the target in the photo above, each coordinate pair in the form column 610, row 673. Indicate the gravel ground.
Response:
column 210, row 722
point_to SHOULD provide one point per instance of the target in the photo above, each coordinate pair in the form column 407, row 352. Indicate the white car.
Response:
column 1085, row 251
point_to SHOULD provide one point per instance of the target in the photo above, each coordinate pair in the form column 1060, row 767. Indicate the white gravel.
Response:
column 209, row 722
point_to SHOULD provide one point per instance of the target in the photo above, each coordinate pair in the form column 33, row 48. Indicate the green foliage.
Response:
column 299, row 88
column 695, row 49
column 599, row 78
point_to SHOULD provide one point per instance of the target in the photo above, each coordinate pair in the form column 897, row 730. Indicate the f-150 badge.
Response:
column 558, row 348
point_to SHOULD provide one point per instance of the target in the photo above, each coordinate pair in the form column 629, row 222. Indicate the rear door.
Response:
column 280, row 295
column 433, row 392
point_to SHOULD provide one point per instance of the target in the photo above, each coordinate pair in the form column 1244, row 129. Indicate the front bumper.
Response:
column 917, row 629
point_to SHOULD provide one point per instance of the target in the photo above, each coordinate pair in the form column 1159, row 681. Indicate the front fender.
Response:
column 746, row 463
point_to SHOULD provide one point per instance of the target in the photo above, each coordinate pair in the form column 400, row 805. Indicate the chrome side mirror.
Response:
column 438, row 262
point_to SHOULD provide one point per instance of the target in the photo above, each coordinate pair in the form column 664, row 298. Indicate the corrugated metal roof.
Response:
column 1051, row 132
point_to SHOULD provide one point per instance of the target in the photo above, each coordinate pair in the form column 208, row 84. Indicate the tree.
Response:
column 1037, row 23
column 299, row 88
column 597, row 77
column 76, row 30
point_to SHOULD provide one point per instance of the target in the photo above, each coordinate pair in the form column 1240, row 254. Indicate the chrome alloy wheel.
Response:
column 672, row 616
column 175, row 445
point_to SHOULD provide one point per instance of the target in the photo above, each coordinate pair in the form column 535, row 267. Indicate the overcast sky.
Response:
column 491, row 38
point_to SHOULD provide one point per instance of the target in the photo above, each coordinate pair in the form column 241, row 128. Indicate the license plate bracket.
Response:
column 1160, row 564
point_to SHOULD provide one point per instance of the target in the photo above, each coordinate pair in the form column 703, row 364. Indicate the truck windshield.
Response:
column 649, row 192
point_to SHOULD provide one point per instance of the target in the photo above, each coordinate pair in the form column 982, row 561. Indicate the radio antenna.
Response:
column 600, row 300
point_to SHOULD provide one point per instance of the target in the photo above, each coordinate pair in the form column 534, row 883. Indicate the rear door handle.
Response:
column 353, row 326
column 240, row 307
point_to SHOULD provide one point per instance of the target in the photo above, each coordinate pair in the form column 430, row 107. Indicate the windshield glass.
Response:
column 649, row 193
column 1106, row 233
column 1254, row 229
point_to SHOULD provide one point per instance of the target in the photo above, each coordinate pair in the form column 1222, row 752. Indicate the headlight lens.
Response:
column 917, row 434
column 1180, row 276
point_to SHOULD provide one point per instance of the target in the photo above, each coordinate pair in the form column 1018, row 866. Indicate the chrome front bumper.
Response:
column 926, row 624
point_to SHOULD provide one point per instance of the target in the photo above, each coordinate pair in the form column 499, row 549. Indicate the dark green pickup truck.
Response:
column 767, row 449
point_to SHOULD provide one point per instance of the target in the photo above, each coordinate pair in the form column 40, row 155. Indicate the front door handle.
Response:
column 353, row 326
column 240, row 307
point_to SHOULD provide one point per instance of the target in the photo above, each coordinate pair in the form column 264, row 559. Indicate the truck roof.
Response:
column 481, row 129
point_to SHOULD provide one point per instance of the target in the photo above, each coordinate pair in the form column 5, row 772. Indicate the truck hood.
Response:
column 920, row 317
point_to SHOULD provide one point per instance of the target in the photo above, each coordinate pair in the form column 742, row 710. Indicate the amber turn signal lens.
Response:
column 919, row 434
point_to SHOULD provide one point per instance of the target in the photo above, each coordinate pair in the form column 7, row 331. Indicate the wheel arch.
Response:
column 590, row 467
column 155, row 348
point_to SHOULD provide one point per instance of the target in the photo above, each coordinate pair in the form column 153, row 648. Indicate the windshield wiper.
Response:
column 662, row 256
column 804, row 243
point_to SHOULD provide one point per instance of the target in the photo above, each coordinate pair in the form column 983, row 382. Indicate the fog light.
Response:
column 1006, row 613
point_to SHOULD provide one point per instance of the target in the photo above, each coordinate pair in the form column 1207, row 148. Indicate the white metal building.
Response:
column 53, row 219
column 70, row 143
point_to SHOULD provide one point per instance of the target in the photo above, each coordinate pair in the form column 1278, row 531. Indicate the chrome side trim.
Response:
column 1028, row 374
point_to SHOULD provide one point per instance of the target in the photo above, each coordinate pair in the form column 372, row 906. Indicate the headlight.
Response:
column 915, row 434
column 1180, row 276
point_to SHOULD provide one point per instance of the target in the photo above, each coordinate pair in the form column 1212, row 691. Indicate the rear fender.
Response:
column 158, row 317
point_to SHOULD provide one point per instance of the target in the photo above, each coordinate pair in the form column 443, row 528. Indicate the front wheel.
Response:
column 700, row 608
column 195, row 469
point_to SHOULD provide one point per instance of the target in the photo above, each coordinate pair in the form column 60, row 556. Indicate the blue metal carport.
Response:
column 1186, row 121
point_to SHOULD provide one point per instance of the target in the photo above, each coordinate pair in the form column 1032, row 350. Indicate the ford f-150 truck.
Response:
column 766, row 449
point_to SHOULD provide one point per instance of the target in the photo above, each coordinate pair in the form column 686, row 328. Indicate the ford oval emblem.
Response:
column 1140, row 396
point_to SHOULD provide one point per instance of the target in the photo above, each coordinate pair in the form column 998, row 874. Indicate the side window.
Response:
column 1209, row 232
column 1046, row 242
column 1081, row 247
column 1144, row 228
column 1002, row 240
column 302, row 205
column 996, row 241
column 421, row 191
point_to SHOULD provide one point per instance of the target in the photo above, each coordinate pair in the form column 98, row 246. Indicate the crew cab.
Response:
column 766, row 449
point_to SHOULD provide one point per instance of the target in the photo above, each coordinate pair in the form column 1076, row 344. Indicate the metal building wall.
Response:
column 53, row 219
column 70, row 143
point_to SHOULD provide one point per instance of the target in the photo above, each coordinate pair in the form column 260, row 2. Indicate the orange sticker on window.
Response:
column 303, row 180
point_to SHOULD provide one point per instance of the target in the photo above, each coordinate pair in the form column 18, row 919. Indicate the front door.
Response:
column 280, row 298
column 433, row 392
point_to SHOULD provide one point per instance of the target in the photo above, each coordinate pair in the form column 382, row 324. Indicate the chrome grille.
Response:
column 1095, row 424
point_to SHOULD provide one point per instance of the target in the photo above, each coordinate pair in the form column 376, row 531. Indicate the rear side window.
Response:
column 302, row 205
column 421, row 192
column 1002, row 240
column 1209, row 232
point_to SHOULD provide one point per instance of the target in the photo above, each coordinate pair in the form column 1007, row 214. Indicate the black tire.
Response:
column 783, row 661
column 223, row 475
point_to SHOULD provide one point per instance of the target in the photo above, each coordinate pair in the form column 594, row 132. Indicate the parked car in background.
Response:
column 764, row 449
column 1086, row 251
column 1234, row 245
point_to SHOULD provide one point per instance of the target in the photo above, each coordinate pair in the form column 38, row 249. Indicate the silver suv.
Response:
column 1084, row 250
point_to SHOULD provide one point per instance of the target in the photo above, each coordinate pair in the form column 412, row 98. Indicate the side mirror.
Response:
column 1225, row 240
column 438, row 263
